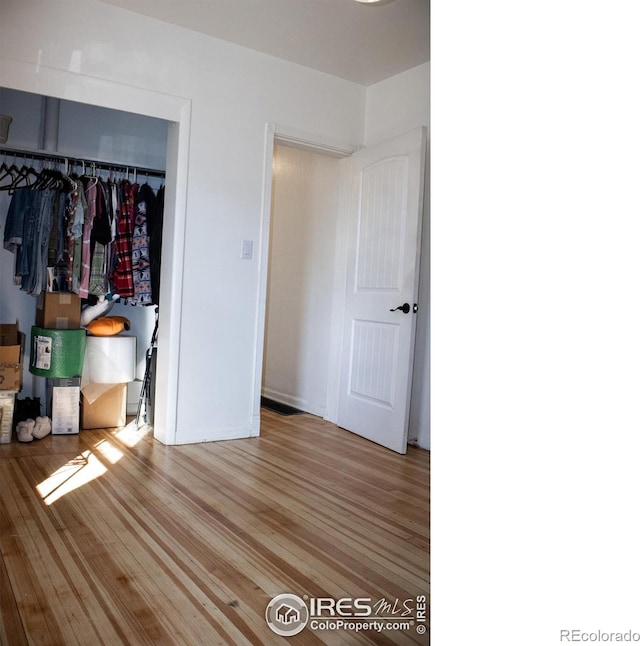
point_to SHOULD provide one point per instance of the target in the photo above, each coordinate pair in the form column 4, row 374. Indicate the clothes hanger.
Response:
column 47, row 178
column 90, row 174
column 9, row 172
column 42, row 180
column 68, row 182
column 21, row 179
column 30, row 172
column 4, row 173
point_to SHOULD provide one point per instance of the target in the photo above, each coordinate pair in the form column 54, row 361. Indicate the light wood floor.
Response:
column 112, row 538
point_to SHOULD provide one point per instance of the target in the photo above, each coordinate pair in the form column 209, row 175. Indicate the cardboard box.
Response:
column 107, row 411
column 63, row 403
column 11, row 353
column 7, row 403
column 58, row 311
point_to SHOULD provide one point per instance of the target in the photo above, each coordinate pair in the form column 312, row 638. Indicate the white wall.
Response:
column 393, row 107
column 299, row 294
column 233, row 92
column 398, row 104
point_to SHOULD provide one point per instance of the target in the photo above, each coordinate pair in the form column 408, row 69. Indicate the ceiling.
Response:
column 363, row 43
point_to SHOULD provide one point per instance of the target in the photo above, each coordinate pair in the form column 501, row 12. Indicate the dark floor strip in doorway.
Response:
column 279, row 407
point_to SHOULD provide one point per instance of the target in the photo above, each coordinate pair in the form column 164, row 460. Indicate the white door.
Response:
column 384, row 224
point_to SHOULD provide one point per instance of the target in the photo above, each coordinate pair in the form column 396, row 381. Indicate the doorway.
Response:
column 302, row 245
column 26, row 77
column 391, row 210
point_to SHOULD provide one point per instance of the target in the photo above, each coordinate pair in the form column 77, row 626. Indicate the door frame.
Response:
column 71, row 86
column 276, row 133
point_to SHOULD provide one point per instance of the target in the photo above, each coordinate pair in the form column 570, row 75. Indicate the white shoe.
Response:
column 42, row 428
column 24, row 430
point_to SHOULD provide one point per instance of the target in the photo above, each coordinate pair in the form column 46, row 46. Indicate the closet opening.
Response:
column 119, row 157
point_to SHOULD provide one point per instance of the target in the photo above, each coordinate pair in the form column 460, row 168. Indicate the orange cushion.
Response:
column 108, row 325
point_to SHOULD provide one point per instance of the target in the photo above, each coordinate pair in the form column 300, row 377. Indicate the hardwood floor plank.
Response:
column 11, row 630
column 109, row 540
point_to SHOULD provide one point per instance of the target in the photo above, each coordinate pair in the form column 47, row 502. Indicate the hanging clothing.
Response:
column 75, row 237
column 98, row 285
column 65, row 280
column 100, row 242
column 123, row 271
column 154, row 226
column 27, row 233
column 91, row 194
column 145, row 205
column 18, row 211
column 92, row 237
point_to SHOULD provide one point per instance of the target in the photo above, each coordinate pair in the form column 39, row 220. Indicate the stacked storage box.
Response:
column 7, row 402
column 11, row 353
column 57, row 353
column 110, row 364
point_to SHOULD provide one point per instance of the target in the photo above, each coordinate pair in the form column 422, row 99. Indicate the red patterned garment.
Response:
column 145, row 205
column 123, row 271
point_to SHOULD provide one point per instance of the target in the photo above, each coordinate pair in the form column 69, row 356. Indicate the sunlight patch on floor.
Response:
column 109, row 451
column 73, row 475
column 130, row 434
column 90, row 464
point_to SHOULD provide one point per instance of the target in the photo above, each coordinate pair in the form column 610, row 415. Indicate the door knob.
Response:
column 406, row 308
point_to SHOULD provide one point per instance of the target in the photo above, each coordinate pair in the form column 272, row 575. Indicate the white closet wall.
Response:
column 112, row 135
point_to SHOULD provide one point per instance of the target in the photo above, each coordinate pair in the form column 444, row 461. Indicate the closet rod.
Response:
column 77, row 161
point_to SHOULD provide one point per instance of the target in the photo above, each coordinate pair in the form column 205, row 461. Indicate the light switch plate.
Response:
column 247, row 250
